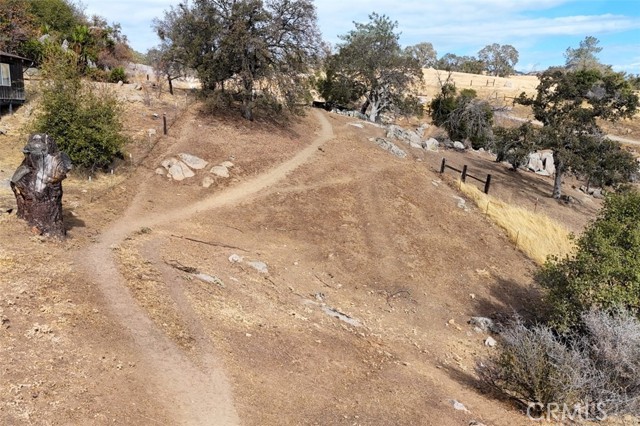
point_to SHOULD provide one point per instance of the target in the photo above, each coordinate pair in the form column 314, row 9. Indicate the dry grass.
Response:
column 535, row 234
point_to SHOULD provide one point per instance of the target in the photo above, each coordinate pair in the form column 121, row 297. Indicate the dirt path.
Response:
column 199, row 394
column 538, row 123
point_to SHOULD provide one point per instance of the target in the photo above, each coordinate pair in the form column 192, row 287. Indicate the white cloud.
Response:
column 460, row 26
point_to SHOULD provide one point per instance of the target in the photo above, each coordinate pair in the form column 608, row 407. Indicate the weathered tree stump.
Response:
column 37, row 185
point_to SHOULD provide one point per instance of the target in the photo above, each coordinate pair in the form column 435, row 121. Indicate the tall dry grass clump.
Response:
column 534, row 233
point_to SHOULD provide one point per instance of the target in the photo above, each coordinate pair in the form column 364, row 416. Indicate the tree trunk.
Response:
column 247, row 100
column 170, row 80
column 364, row 107
column 37, row 185
column 374, row 110
column 557, row 181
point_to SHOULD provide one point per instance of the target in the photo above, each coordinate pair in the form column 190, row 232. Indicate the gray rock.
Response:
column 459, row 146
column 420, row 130
column 235, row 258
column 180, row 171
column 459, row 406
column 390, row 146
column 220, row 171
column 192, row 161
column 207, row 182
column 484, row 323
column 210, row 279
column 462, row 203
column 169, row 162
column 431, row 144
column 490, row 342
column 259, row 266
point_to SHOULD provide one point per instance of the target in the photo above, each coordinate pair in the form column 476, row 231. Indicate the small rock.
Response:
column 459, row 406
column 210, row 279
column 152, row 132
column 459, row 146
column 462, row 203
column 120, row 83
column 160, row 171
column 3, row 131
column 207, row 182
column 192, row 161
column 220, row 171
column 235, row 258
column 490, row 341
column 259, row 266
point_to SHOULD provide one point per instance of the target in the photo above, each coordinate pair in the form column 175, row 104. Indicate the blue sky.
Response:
column 541, row 30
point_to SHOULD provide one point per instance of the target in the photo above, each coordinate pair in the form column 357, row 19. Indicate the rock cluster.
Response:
column 541, row 163
column 183, row 165
column 414, row 138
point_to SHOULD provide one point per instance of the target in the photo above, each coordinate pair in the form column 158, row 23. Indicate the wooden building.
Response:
column 11, row 79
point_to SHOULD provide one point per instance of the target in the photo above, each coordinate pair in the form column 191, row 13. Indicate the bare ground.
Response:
column 361, row 319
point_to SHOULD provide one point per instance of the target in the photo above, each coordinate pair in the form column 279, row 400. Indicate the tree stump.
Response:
column 37, row 185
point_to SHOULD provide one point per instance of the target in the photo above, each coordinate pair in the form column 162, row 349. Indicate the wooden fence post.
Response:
column 487, row 184
column 464, row 173
column 164, row 123
column 443, row 165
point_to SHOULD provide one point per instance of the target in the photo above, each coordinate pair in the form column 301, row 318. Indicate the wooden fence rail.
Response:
column 464, row 175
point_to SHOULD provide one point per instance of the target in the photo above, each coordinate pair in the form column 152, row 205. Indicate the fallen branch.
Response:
column 318, row 278
column 179, row 266
column 214, row 244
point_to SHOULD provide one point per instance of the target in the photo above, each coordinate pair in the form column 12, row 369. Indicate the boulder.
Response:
column 192, row 161
column 490, row 342
column 420, row 130
column 459, row 146
column 431, row 144
column 220, row 171
column 180, row 171
column 169, row 162
column 390, row 146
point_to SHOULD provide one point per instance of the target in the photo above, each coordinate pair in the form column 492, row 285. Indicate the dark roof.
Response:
column 9, row 55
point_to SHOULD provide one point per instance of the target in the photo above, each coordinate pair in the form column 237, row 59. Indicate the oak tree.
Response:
column 370, row 64
column 569, row 103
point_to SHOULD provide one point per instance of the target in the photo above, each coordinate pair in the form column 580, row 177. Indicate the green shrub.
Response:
column 117, row 74
column 464, row 117
column 84, row 121
column 604, row 272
